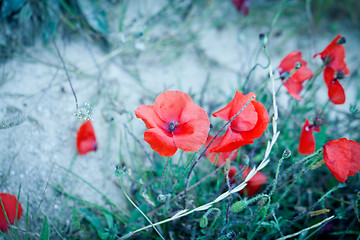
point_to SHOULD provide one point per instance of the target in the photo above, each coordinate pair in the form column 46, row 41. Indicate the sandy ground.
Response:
column 35, row 89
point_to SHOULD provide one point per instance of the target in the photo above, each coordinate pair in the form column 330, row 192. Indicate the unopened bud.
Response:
column 297, row 65
column 263, row 39
column 286, row 154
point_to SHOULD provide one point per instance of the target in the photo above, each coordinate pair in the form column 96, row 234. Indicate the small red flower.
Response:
column 86, row 140
column 221, row 159
column 307, row 139
column 334, row 54
column 294, row 83
column 342, row 157
column 173, row 122
column 242, row 6
column 335, row 90
column 253, row 185
column 9, row 201
column 250, row 124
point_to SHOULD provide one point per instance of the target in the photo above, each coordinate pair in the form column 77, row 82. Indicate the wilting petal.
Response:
column 288, row 63
column 148, row 115
column 293, row 88
column 355, row 157
column 160, row 142
column 336, row 93
column 329, row 76
column 170, row 104
column 307, row 140
column 337, row 154
column 86, row 140
column 302, row 74
column 328, row 50
column 10, row 203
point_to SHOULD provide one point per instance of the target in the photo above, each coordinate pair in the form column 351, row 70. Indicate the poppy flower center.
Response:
column 339, row 75
column 307, row 128
column 172, row 126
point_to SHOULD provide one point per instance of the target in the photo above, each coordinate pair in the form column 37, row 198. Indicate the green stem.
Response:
column 122, row 188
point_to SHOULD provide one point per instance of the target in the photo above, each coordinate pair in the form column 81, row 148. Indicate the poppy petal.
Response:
column 355, row 157
column 170, row 104
column 307, row 139
column 293, row 88
column 231, row 141
column 187, row 139
column 160, row 142
column 86, row 140
column 262, row 123
column 302, row 74
column 288, row 63
column 248, row 118
column 10, row 202
column 336, row 93
column 329, row 75
column 148, row 115
column 337, row 156
column 255, row 183
column 219, row 157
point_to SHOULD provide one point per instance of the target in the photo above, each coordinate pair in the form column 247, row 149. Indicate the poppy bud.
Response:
column 263, row 39
column 286, row 154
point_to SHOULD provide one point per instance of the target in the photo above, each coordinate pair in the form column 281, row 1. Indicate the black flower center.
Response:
column 172, row 126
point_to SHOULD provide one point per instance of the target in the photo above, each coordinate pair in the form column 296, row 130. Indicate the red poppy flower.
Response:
column 221, row 159
column 86, row 140
column 334, row 54
column 242, row 6
column 294, row 83
column 335, row 90
column 250, row 123
column 307, row 139
column 173, row 122
column 9, row 201
column 342, row 157
column 253, row 185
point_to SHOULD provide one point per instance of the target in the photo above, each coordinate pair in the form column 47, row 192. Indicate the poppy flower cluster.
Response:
column 86, row 140
column 293, row 61
column 12, row 210
column 342, row 157
column 174, row 121
column 335, row 69
column 253, row 185
column 307, row 140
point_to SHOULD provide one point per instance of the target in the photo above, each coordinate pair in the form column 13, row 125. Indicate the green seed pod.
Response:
column 238, row 206
column 203, row 221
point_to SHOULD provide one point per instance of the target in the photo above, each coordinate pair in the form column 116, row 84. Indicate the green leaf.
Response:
column 45, row 231
column 95, row 15
column 109, row 220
